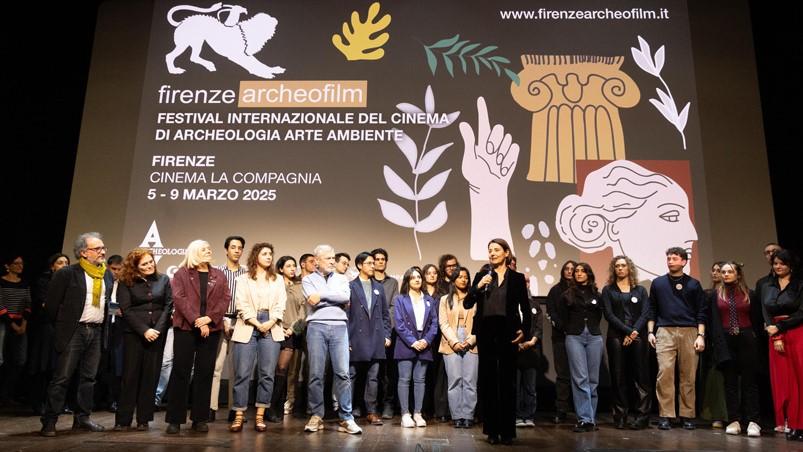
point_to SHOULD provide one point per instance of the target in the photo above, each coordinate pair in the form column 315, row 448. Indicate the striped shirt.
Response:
column 15, row 299
column 231, row 278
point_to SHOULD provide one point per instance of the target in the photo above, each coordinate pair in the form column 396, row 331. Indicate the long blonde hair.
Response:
column 740, row 284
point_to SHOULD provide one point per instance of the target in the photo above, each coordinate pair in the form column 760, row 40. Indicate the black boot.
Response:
column 276, row 411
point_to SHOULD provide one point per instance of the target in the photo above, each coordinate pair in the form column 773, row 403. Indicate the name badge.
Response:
column 376, row 292
column 594, row 301
column 634, row 300
column 534, row 311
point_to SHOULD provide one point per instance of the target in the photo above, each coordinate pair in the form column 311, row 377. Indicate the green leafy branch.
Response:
column 465, row 52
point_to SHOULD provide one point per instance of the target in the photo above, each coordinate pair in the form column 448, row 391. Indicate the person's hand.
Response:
column 778, row 345
column 772, row 330
column 519, row 337
column 458, row 347
column 699, row 344
column 151, row 335
column 634, row 335
column 204, row 331
column 627, row 341
column 484, row 281
column 651, row 339
column 288, row 332
column 22, row 329
column 201, row 321
column 387, row 342
column 489, row 158
column 314, row 299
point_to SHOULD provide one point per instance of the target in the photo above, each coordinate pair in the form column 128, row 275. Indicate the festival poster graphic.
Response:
column 423, row 128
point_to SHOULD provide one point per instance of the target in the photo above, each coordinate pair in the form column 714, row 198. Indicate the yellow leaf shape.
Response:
column 361, row 46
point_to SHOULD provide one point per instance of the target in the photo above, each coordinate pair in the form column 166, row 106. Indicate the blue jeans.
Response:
column 585, row 356
column 265, row 351
column 333, row 341
column 461, row 377
column 418, row 370
column 525, row 393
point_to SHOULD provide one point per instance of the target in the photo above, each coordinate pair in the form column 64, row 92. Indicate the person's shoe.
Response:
column 442, row 419
column 374, row 419
column 717, row 424
column 387, row 412
column 733, row 428
column 142, row 426
column 753, row 430
column 639, row 423
column 349, row 427
column 237, row 422
column 419, row 420
column 520, row 423
column 407, row 421
column 121, row 428
column 212, row 415
column 619, row 423
column 259, row 420
column 272, row 418
column 200, row 427
column 172, row 429
column 48, row 429
column 529, row 423
column 794, row 435
column 664, row 424
column 87, row 424
column 688, row 424
column 582, row 427
column 493, row 439
column 314, row 424
column 468, row 423
column 560, row 417
column 356, row 412
column 458, row 423
column 288, row 407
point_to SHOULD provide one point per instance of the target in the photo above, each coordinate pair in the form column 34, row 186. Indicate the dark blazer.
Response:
column 581, row 307
column 147, row 304
column 367, row 333
column 518, row 300
column 66, row 296
column 406, row 328
column 717, row 336
column 531, row 357
column 615, row 303
column 553, row 299
column 187, row 298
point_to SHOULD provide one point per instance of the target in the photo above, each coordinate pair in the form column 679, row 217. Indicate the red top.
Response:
column 742, row 309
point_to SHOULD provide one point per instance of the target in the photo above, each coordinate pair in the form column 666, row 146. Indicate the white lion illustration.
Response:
column 234, row 39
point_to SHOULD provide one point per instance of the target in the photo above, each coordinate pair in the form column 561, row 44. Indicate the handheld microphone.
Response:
column 491, row 274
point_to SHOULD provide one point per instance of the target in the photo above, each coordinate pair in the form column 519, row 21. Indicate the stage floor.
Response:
column 21, row 433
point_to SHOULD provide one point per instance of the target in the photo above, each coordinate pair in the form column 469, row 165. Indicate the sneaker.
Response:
column 733, row 428
column 407, row 421
column 520, row 423
column 349, row 427
column 753, row 430
column 529, row 423
column 717, row 424
column 314, row 424
column 419, row 420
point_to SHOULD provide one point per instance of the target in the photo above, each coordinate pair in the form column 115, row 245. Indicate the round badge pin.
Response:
column 679, row 286
column 634, row 299
column 534, row 311
column 594, row 301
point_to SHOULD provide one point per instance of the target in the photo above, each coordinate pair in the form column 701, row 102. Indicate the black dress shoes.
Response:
column 664, row 424
column 582, row 427
column 794, row 435
column 173, row 429
column 48, row 429
column 200, row 427
column 639, row 423
column 688, row 424
column 212, row 415
column 87, row 424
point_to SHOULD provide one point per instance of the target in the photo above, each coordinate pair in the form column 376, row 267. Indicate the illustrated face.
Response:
column 675, row 263
column 431, row 275
column 415, row 281
column 580, row 275
column 729, row 275
column 265, row 258
column 621, row 269
column 568, row 271
column 116, row 269
column 780, row 269
column 60, row 263
column 367, row 267
column 146, row 265
column 715, row 275
column 769, row 250
column 342, row 265
column 289, row 269
column 496, row 254
column 661, row 223
column 326, row 262
column 380, row 262
column 235, row 251
column 462, row 280
column 95, row 252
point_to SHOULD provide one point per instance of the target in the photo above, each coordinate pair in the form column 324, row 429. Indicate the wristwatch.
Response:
column 701, row 334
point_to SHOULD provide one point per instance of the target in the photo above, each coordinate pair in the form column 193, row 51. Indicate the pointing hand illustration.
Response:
column 489, row 159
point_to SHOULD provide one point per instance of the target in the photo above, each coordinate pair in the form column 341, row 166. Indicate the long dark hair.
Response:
column 280, row 264
column 453, row 289
column 505, row 247
column 575, row 289
column 405, row 285
column 438, row 277
column 563, row 280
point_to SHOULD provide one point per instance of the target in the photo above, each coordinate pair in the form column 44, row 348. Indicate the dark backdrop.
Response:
column 47, row 54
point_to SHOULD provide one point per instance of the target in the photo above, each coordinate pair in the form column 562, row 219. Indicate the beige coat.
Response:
column 246, row 301
column 448, row 319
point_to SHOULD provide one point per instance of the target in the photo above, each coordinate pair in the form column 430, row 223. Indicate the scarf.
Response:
column 95, row 272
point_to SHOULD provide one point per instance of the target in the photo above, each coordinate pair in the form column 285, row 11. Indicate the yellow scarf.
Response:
column 95, row 272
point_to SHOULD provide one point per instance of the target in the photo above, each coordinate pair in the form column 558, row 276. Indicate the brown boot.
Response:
column 259, row 421
column 237, row 424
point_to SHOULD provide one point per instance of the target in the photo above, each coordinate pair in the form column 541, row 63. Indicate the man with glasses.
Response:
column 369, row 334
column 77, row 305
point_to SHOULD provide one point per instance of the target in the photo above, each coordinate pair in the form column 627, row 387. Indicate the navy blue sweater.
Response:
column 668, row 306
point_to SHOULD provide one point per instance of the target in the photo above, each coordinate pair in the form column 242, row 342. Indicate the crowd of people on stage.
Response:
column 439, row 343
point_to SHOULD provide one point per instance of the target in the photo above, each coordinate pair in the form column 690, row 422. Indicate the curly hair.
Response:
column 632, row 272
column 131, row 262
column 253, row 257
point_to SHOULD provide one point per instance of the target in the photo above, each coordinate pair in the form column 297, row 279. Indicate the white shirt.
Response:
column 92, row 314
column 418, row 311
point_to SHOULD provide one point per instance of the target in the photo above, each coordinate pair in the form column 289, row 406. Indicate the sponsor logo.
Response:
column 153, row 242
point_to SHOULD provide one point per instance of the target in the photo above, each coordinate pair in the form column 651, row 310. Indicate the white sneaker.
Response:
column 733, row 428
column 753, row 429
column 529, row 423
column 520, row 423
column 349, row 427
column 407, row 421
column 314, row 424
column 419, row 420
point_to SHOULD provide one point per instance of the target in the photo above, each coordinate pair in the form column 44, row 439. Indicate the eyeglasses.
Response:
column 97, row 249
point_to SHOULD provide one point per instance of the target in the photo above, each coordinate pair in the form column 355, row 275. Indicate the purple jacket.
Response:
column 406, row 330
